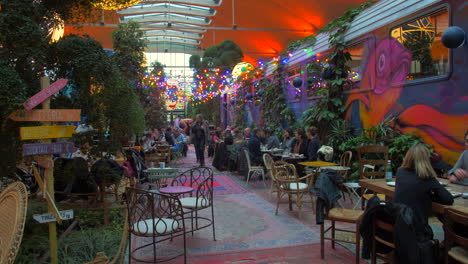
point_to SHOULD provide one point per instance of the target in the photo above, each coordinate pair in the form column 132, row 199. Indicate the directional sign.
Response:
column 42, row 132
column 45, row 218
column 43, row 115
column 44, row 94
column 48, row 148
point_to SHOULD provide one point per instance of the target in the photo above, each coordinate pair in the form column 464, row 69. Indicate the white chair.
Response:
column 253, row 170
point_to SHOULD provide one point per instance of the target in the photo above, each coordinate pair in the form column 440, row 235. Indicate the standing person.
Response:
column 177, row 122
column 200, row 134
column 459, row 172
column 314, row 144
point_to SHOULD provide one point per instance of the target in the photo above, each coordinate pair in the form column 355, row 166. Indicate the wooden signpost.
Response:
column 43, row 115
column 43, row 132
column 48, row 148
column 43, row 162
column 44, row 94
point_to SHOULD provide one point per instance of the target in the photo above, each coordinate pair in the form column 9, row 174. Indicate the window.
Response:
column 355, row 65
column 423, row 38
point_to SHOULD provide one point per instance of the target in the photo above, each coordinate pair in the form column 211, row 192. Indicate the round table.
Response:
column 176, row 190
column 336, row 168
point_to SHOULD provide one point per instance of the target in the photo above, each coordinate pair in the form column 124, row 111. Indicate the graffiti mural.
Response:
column 436, row 111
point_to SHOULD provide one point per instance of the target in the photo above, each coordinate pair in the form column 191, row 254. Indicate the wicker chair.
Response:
column 201, row 179
column 287, row 183
column 13, row 206
column 268, row 161
column 156, row 216
column 364, row 162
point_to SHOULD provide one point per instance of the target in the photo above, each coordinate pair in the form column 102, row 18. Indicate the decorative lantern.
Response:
column 297, row 82
column 453, row 37
column 241, row 68
column 248, row 96
column 260, row 92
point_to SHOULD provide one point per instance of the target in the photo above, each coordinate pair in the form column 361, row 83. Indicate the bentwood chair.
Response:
column 372, row 156
column 253, row 170
column 13, row 206
column 268, row 161
column 156, row 218
column 201, row 179
column 456, row 236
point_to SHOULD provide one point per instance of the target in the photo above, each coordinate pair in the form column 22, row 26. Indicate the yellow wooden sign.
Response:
column 43, row 132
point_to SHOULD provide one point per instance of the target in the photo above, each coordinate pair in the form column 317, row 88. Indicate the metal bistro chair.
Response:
column 13, row 206
column 365, row 162
column 157, row 218
column 201, row 179
column 268, row 160
column 253, row 170
column 456, row 247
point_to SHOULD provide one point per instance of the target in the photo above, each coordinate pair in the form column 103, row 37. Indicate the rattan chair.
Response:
column 456, row 241
column 201, row 179
column 376, row 152
column 287, row 183
column 156, row 218
column 268, row 161
column 13, row 206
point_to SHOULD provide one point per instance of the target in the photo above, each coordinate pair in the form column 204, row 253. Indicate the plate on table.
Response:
column 443, row 183
column 391, row 183
column 456, row 194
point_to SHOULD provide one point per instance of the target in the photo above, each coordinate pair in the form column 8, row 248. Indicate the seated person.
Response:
column 459, row 172
column 228, row 138
column 314, row 144
column 272, row 140
column 148, row 143
column 417, row 186
column 288, row 140
column 238, row 137
column 247, row 133
column 169, row 137
column 254, row 146
column 300, row 142
column 180, row 141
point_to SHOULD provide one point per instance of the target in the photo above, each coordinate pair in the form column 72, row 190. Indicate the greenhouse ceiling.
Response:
column 262, row 28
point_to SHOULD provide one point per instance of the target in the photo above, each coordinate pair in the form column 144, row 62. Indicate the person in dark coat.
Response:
column 169, row 137
column 314, row 144
column 228, row 138
column 200, row 136
column 254, row 146
column 300, row 142
column 417, row 186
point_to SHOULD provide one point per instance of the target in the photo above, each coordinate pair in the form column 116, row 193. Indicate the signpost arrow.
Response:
column 44, row 94
column 43, row 115
column 48, row 148
column 50, row 217
column 43, row 162
column 42, row 132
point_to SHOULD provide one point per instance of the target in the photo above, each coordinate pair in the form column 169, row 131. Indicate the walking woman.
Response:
column 199, row 136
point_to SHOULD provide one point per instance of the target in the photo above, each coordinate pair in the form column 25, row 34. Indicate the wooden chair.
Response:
column 13, row 206
column 364, row 162
column 456, row 245
column 268, row 161
column 341, row 215
column 288, row 183
column 162, row 153
column 378, row 224
column 253, row 170
column 157, row 218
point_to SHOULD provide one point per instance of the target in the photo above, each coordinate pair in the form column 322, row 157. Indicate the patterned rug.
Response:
column 243, row 222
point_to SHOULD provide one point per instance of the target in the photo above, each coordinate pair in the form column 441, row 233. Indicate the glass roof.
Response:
column 194, row 2
column 170, row 17
column 168, row 8
column 174, row 33
column 173, row 40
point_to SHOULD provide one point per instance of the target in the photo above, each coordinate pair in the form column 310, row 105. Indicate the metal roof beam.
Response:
column 168, row 8
column 193, row 2
column 182, row 26
column 173, row 33
column 173, row 40
column 167, row 17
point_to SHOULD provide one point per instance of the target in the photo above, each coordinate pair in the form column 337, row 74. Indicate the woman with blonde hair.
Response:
column 417, row 186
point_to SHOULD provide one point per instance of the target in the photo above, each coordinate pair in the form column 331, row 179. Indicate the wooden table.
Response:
column 317, row 164
column 381, row 186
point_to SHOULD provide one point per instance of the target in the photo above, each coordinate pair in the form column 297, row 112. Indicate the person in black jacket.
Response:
column 300, row 142
column 417, row 186
column 314, row 144
column 199, row 135
column 254, row 146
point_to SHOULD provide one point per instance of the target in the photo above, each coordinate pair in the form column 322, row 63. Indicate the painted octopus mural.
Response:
column 435, row 111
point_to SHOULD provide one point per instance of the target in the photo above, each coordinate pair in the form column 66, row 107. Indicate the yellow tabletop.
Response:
column 317, row 164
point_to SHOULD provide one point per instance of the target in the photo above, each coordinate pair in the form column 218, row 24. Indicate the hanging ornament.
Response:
column 260, row 92
column 248, row 96
column 241, row 68
column 297, row 82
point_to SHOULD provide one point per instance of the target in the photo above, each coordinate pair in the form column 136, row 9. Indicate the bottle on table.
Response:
column 388, row 174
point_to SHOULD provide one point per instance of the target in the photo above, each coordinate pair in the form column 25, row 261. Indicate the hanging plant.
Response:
column 113, row 4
